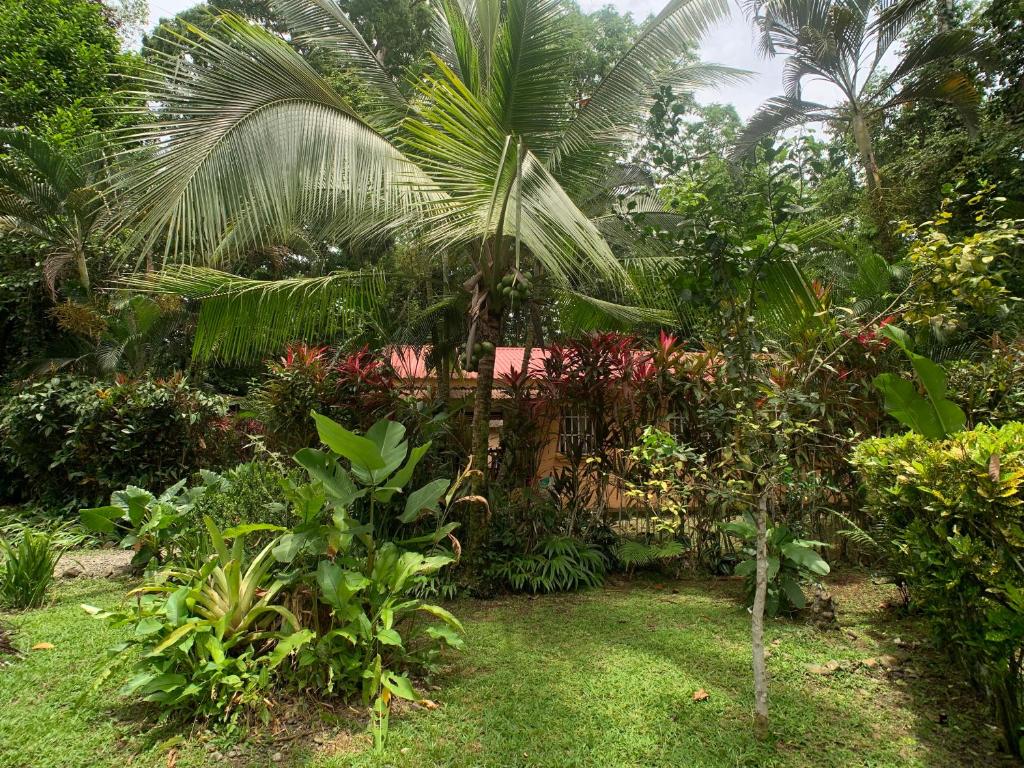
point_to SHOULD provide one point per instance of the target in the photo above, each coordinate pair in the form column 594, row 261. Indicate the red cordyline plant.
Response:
column 301, row 355
column 364, row 370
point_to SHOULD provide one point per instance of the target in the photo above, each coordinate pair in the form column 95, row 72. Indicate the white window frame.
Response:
column 575, row 430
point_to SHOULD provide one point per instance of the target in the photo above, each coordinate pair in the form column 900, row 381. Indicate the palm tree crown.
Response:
column 843, row 43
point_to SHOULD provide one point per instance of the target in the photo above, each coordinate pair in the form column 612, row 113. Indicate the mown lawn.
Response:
column 604, row 678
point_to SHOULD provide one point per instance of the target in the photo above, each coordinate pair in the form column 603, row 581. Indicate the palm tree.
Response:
column 486, row 164
column 52, row 195
column 843, row 43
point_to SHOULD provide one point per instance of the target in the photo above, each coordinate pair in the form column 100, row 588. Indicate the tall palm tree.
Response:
column 486, row 162
column 845, row 43
column 53, row 195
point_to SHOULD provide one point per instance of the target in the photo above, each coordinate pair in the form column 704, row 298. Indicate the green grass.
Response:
column 604, row 678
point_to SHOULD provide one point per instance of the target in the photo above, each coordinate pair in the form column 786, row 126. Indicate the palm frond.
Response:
column 242, row 320
column 778, row 114
column 531, row 80
column 249, row 138
column 323, row 24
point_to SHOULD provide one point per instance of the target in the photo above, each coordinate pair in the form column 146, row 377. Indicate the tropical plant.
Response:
column 953, row 507
column 26, row 570
column 932, row 414
column 791, row 561
column 556, row 564
column 327, row 605
column 487, row 164
column 53, row 195
column 210, row 637
column 149, row 525
column 845, row 43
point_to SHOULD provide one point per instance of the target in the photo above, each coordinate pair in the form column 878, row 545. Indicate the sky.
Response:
column 730, row 43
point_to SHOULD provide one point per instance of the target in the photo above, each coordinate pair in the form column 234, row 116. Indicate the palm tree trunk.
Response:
column 83, row 272
column 487, row 329
column 862, row 136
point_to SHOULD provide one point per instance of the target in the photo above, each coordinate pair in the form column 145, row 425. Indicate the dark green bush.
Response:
column 71, row 441
column 957, row 507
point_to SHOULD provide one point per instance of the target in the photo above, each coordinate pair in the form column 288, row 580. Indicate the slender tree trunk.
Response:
column 866, row 150
column 487, row 330
column 757, row 619
column 83, row 272
column 862, row 136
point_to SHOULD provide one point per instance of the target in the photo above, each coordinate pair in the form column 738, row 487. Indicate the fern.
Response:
column 633, row 553
column 557, row 564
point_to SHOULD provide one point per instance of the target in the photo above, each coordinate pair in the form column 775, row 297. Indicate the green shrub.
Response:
column 74, row 441
column 957, row 506
column 990, row 390
column 556, row 564
column 328, row 605
column 252, row 492
column 26, row 570
column 791, row 562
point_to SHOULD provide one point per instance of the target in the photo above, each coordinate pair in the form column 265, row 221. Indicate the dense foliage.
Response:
column 73, row 440
column 954, row 510
column 326, row 605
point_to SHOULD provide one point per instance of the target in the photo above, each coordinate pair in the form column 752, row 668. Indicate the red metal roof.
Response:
column 411, row 362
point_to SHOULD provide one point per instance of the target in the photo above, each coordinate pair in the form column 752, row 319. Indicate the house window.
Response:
column 577, row 433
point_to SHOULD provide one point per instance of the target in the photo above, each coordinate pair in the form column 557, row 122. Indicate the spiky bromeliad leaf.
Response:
column 242, row 320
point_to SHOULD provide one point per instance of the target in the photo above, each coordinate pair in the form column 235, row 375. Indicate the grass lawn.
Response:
column 604, row 678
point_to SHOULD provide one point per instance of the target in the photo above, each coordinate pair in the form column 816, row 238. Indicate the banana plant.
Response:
column 931, row 414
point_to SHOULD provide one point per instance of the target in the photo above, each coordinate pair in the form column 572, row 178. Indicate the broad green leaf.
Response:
column 426, row 497
column 244, row 530
column 335, row 479
column 355, row 448
column 805, row 557
column 389, row 637
column 101, row 519
column 288, row 645
column 399, row 685
column 441, row 613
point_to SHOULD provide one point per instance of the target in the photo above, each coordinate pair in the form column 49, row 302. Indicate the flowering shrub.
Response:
column 353, row 389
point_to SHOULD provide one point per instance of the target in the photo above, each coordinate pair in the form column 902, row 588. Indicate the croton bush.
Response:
column 956, row 508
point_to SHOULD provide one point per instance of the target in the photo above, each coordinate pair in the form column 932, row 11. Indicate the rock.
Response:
column 889, row 661
column 830, row 667
column 277, row 757
column 823, row 609
column 71, row 572
column 870, row 663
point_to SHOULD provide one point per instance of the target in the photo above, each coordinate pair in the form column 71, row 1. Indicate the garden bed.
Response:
column 601, row 678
